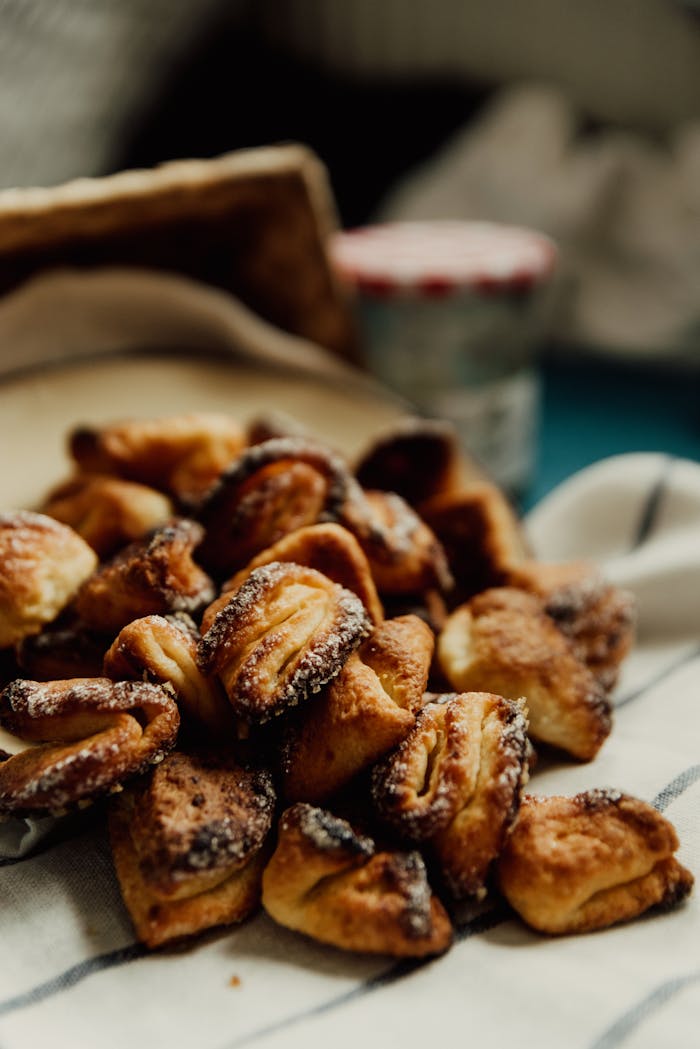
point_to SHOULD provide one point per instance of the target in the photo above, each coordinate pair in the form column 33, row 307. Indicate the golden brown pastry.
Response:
column 188, row 845
column 368, row 708
column 598, row 618
column 181, row 455
column 93, row 734
column 326, row 881
column 502, row 641
column 329, row 549
column 583, row 863
column 480, row 534
column 455, row 782
column 149, row 577
column 156, row 648
column 283, row 634
column 273, row 489
column 403, row 553
column 62, row 650
column 418, row 459
column 43, row 563
column 106, row 511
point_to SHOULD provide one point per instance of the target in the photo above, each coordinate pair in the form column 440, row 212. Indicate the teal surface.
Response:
column 594, row 408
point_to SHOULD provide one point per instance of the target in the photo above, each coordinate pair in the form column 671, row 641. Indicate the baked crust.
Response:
column 44, row 563
column 202, row 864
column 598, row 619
column 280, row 637
column 418, row 459
column 587, row 862
column 182, row 455
column 165, row 650
column 368, row 708
column 199, row 817
column 93, row 734
column 329, row 549
column 152, row 576
column 480, row 534
column 403, row 552
column 106, row 511
column 326, row 881
column 455, row 782
column 504, row 642
column 273, row 489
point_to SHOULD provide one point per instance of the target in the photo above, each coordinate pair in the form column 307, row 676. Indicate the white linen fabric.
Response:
column 74, row 975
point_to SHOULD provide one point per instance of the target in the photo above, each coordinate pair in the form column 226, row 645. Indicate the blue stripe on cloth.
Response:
column 676, row 787
column 133, row 951
column 488, row 920
column 72, row 976
column 617, row 1033
column 652, row 505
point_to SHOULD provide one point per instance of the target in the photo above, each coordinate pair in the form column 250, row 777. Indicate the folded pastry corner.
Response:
column 44, row 563
column 331, row 550
column 587, row 862
column 93, row 734
column 331, row 884
column 164, row 649
column 366, row 710
column 189, row 845
column 502, row 641
column 152, row 576
column 280, row 637
column 455, row 782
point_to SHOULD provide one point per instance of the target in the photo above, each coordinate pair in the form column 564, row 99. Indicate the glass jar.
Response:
column 452, row 316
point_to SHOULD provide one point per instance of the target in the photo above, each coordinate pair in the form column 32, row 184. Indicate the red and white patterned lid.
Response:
column 439, row 258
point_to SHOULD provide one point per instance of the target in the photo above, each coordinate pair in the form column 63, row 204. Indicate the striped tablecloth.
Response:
column 72, row 974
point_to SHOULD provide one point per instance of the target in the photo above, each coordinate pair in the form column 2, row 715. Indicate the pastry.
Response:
column 156, row 648
column 181, row 455
column 455, row 783
column 480, row 534
column 502, row 641
column 43, row 563
column 365, row 711
column 188, row 844
column 403, row 553
column 598, row 619
column 273, row 489
column 583, row 863
column 326, row 881
column 106, row 511
column 418, row 459
column 329, row 549
column 280, row 637
column 93, row 734
column 149, row 577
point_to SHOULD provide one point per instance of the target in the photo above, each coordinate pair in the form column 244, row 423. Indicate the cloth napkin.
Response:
column 74, row 975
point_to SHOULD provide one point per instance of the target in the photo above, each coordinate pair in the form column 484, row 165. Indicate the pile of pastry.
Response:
column 317, row 686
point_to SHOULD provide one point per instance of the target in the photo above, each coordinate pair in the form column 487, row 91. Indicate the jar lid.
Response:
column 439, row 258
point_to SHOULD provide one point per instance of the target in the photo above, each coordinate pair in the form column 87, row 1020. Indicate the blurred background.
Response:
column 581, row 120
